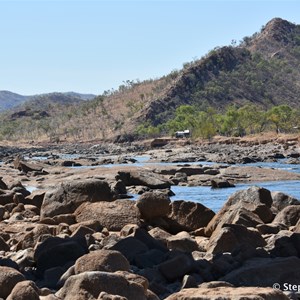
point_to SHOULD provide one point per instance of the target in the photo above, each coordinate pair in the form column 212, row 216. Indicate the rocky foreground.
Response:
column 78, row 236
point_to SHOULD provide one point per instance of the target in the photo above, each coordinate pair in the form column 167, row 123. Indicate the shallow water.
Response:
column 215, row 198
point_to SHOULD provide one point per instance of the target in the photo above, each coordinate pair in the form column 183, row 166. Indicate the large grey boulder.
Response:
column 69, row 196
column 256, row 200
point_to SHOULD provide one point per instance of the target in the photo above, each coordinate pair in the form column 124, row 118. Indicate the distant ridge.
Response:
column 9, row 100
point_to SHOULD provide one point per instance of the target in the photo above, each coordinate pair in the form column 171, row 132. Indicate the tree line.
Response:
column 234, row 121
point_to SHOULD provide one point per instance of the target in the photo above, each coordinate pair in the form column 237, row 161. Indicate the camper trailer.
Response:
column 182, row 134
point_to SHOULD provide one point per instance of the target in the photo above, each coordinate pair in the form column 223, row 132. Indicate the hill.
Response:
column 9, row 100
column 262, row 70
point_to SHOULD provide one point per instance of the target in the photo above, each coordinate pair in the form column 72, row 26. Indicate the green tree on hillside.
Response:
column 282, row 118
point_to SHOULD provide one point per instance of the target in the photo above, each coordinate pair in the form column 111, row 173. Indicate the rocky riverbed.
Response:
column 78, row 236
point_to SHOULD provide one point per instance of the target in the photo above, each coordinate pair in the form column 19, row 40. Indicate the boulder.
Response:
column 218, row 183
column 231, row 237
column 153, row 205
column 3, row 245
column 3, row 185
column 149, row 259
column 176, row 267
column 218, row 293
column 35, row 198
column 297, row 227
column 102, row 260
column 130, row 247
column 24, row 290
column 289, row 216
column 182, row 241
column 264, row 272
column 31, row 238
column 2, row 212
column 6, row 197
column 9, row 278
column 57, row 252
column 112, row 215
column 89, row 285
column 26, row 167
column 188, row 216
column 160, row 234
column 281, row 200
column 145, row 178
column 254, row 199
column 285, row 243
column 69, row 196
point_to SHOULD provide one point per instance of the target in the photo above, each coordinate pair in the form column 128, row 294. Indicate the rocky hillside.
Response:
column 262, row 69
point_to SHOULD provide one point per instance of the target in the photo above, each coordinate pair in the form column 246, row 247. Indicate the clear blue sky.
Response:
column 92, row 46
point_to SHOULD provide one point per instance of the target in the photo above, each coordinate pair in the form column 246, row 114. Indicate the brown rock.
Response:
column 189, row 216
column 57, row 252
column 26, row 167
column 24, row 290
column 218, row 183
column 284, row 243
column 182, row 241
column 153, row 205
column 281, row 200
column 31, row 238
column 106, row 296
column 3, row 245
column 176, row 267
column 230, row 237
column 297, row 227
column 265, row 272
column 160, row 234
column 251, row 199
column 3, row 185
column 6, row 197
column 102, row 260
column 112, row 215
column 35, row 198
column 89, row 285
column 289, row 216
column 145, row 178
column 69, row 196
column 218, row 293
column 130, row 247
column 8, row 279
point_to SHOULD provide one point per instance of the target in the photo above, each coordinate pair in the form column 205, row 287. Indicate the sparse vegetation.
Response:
column 241, row 89
column 247, row 119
